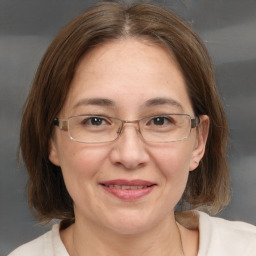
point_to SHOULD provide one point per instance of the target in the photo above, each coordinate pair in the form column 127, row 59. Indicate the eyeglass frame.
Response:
column 63, row 125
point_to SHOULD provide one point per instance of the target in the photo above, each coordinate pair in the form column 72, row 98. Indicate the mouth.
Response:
column 126, row 187
column 128, row 190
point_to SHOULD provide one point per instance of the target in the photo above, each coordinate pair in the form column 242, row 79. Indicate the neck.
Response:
column 163, row 239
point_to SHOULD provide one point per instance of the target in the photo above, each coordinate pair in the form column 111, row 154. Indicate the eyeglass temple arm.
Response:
column 63, row 124
column 195, row 122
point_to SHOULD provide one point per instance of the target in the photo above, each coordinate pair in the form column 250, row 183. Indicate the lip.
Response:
column 128, row 190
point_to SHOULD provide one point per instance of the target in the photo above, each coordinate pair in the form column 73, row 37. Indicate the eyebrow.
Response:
column 163, row 101
column 109, row 103
column 95, row 101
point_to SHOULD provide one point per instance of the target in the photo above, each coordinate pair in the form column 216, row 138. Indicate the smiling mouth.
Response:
column 125, row 187
column 128, row 190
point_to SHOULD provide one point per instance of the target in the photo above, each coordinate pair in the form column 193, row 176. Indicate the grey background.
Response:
column 228, row 28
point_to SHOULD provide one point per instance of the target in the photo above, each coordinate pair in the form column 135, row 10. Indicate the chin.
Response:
column 130, row 224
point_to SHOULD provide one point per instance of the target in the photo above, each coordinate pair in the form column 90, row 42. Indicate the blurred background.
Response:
column 228, row 28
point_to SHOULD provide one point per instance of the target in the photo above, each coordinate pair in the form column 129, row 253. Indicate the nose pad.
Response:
column 120, row 129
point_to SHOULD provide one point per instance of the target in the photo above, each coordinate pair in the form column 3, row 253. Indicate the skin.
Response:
column 129, row 73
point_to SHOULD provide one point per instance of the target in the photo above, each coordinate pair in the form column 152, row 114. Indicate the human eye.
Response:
column 91, row 122
column 85, row 127
column 160, row 124
column 163, row 120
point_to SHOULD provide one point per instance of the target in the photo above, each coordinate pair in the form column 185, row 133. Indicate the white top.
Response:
column 218, row 237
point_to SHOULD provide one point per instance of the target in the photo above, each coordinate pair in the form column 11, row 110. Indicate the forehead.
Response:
column 128, row 52
column 127, row 72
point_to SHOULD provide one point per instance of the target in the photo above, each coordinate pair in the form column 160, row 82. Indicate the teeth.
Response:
column 126, row 187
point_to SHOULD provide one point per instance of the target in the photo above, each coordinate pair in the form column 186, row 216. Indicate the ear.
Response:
column 199, row 148
column 53, row 153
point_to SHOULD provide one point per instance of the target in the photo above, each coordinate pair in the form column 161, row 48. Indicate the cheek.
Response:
column 81, row 166
column 80, row 159
column 172, row 162
column 173, row 159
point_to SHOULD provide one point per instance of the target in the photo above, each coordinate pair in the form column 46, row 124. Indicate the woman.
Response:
column 122, row 126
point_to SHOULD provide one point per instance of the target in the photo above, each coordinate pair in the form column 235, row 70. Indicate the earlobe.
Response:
column 199, row 149
column 193, row 165
column 53, row 154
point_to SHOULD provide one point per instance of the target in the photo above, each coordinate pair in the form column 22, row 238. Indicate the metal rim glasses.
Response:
column 161, row 128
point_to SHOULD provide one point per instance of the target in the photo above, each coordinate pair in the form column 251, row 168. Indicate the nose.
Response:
column 129, row 150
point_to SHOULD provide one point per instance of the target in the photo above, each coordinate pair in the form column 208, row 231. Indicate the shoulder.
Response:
column 222, row 237
column 48, row 244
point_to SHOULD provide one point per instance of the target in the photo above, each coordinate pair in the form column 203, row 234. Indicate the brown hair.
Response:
column 207, row 186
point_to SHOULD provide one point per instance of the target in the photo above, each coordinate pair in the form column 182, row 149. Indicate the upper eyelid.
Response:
column 161, row 116
column 157, row 116
column 97, row 116
column 91, row 115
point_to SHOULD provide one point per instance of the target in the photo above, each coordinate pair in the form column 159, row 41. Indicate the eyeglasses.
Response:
column 100, row 129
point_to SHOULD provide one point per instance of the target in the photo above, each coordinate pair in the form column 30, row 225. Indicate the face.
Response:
column 127, row 79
